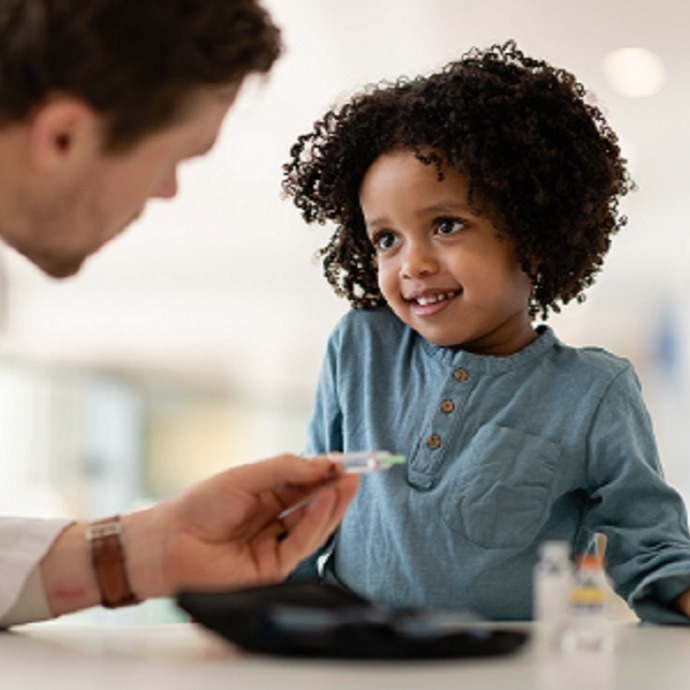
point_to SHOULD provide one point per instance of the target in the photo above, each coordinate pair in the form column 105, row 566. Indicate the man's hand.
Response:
column 224, row 532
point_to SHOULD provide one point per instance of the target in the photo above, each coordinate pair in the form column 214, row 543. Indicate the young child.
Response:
column 466, row 204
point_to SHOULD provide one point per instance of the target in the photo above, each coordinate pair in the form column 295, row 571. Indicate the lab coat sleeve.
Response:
column 23, row 543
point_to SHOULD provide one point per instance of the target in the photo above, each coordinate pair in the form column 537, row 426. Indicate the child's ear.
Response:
column 64, row 131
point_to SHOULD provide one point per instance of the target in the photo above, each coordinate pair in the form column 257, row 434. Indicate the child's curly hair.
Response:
column 540, row 161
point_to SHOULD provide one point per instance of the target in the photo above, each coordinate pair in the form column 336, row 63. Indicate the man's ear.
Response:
column 64, row 131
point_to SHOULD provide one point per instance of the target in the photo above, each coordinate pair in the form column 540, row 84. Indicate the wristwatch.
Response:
column 106, row 545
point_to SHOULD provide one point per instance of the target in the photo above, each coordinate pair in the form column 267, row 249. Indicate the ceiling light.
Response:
column 635, row 72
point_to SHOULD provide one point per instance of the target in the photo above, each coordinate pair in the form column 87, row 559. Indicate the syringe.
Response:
column 366, row 460
column 357, row 462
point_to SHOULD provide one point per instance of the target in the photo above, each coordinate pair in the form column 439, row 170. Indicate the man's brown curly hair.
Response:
column 135, row 62
column 540, row 160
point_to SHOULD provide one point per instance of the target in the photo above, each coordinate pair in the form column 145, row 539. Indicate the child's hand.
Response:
column 682, row 603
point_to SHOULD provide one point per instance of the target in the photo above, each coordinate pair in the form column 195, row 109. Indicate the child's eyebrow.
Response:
column 432, row 209
column 445, row 207
column 375, row 222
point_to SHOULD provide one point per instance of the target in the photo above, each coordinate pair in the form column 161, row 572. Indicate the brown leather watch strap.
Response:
column 106, row 543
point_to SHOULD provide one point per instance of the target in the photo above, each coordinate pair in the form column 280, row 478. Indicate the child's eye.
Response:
column 383, row 240
column 449, row 226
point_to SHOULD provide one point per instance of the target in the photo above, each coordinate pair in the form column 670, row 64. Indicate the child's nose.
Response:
column 418, row 260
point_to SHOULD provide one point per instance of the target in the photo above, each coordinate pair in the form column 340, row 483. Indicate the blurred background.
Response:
column 193, row 341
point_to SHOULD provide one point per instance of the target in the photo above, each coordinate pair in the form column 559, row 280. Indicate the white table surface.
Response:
column 182, row 655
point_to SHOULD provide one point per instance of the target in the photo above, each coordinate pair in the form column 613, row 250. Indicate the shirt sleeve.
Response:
column 324, row 435
column 23, row 543
column 325, row 426
column 644, row 519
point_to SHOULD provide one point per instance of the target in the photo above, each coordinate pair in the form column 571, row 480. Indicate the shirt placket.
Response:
column 441, row 429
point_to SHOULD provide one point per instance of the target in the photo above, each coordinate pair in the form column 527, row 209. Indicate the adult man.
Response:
column 99, row 102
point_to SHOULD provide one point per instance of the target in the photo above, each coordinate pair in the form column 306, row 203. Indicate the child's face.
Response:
column 446, row 272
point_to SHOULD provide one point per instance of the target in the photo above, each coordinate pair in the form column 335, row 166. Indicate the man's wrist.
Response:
column 144, row 541
column 67, row 571
column 68, row 578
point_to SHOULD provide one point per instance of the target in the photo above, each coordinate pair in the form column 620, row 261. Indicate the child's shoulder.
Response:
column 363, row 323
column 595, row 359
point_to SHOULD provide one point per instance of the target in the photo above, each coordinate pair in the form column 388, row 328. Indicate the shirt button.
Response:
column 447, row 406
column 461, row 374
column 434, row 441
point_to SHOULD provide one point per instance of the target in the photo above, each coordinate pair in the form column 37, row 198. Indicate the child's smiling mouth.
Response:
column 430, row 303
column 424, row 300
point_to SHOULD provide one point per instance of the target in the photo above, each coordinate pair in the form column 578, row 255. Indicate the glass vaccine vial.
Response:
column 552, row 586
column 589, row 625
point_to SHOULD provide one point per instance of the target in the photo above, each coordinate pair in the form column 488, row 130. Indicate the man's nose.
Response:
column 167, row 189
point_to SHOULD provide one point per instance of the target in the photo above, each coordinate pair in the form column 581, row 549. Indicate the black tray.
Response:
column 313, row 619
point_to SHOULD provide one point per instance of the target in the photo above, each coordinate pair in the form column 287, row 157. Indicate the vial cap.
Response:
column 554, row 548
column 590, row 561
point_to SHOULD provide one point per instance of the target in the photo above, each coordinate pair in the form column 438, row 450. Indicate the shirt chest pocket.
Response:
column 501, row 494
